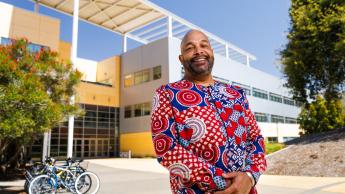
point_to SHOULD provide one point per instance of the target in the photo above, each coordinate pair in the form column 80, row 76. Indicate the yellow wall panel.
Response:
column 140, row 144
column 108, row 71
column 89, row 93
column 38, row 29
column 64, row 51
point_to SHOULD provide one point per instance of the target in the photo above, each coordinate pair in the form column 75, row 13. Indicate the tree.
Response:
column 321, row 116
column 35, row 88
column 313, row 59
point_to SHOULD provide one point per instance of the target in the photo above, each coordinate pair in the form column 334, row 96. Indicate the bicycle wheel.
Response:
column 42, row 184
column 87, row 182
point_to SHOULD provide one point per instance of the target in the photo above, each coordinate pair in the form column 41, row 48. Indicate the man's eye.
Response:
column 188, row 48
column 204, row 45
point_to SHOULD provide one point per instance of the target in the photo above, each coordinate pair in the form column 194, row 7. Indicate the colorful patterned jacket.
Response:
column 201, row 132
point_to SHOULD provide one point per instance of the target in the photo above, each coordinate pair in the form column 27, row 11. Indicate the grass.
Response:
column 273, row 147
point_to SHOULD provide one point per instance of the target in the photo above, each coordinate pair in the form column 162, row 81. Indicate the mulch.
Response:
column 320, row 155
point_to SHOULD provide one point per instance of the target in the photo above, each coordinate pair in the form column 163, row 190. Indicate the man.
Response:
column 203, row 130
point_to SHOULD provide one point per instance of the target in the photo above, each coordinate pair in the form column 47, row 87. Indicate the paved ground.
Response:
column 146, row 176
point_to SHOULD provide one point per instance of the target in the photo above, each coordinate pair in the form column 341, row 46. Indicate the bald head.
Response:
column 187, row 37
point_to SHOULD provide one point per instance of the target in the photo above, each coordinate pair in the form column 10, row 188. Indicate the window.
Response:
column 260, row 117
column 272, row 139
column 138, row 77
column 285, row 139
column 260, row 93
column 137, row 110
column 277, row 119
column 32, row 47
column 276, row 98
column 146, row 76
column 290, row 120
column 157, row 72
column 220, row 79
column 298, row 103
column 246, row 88
column 146, row 108
column 141, row 109
column 129, row 80
column 289, row 101
column 128, row 111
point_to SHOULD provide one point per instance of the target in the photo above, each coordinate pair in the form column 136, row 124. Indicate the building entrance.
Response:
column 90, row 147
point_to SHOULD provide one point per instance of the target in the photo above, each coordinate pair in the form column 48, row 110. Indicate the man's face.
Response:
column 196, row 54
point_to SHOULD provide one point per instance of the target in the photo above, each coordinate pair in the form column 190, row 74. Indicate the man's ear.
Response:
column 180, row 57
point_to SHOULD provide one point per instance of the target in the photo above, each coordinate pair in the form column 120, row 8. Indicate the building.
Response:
column 117, row 92
column 97, row 133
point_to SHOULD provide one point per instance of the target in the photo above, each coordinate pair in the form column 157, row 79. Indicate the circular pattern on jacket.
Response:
column 162, row 144
column 159, row 124
column 188, row 98
column 231, row 93
column 210, row 153
column 225, row 157
column 155, row 101
column 182, row 85
column 198, row 126
column 180, row 170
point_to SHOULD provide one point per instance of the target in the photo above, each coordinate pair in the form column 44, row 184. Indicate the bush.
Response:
column 321, row 116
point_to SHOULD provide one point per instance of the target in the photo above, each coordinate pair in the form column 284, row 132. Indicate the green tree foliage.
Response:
column 35, row 90
column 321, row 116
column 313, row 59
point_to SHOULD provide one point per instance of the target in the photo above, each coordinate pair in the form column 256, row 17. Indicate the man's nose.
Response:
column 198, row 50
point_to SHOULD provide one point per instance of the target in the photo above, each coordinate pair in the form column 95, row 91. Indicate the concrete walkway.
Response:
column 146, row 176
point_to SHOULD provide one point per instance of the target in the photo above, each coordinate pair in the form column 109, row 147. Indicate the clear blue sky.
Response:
column 259, row 27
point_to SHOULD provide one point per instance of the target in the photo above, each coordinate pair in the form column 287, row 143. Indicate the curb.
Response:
column 274, row 153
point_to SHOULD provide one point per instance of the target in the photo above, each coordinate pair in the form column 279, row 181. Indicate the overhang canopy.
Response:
column 142, row 21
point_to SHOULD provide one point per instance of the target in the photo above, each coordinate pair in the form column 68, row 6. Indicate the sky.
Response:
column 258, row 27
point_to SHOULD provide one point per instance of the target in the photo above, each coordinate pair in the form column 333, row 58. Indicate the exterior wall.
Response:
column 39, row 29
column 65, row 51
column 146, row 56
column 140, row 58
column 6, row 14
column 108, row 71
column 88, row 68
column 90, row 93
column 280, row 130
column 140, row 144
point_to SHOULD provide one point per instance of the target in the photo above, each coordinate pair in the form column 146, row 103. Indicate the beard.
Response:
column 199, row 70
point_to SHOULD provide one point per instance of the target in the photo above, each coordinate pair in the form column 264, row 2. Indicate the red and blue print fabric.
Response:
column 201, row 132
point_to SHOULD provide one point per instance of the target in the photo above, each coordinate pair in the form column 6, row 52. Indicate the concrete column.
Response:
column 227, row 51
column 170, row 27
column 248, row 61
column 37, row 6
column 45, row 146
column 124, row 43
column 73, row 59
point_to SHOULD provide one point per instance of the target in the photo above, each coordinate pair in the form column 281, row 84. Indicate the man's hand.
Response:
column 240, row 183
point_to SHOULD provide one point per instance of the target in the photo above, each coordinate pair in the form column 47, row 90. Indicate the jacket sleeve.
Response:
column 185, row 167
column 255, row 148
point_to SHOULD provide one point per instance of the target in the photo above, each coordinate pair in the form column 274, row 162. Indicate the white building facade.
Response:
column 275, row 110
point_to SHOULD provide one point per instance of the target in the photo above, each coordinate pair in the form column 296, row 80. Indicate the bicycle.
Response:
column 70, row 177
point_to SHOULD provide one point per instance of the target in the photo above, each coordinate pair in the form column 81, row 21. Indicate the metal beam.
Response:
column 150, row 30
column 155, row 34
column 180, row 31
column 122, row 13
column 110, row 7
column 134, row 18
column 106, row 15
column 61, row 3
